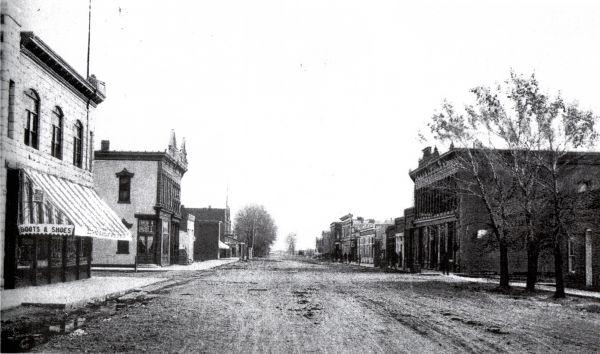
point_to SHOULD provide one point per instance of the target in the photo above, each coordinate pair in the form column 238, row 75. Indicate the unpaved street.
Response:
column 290, row 306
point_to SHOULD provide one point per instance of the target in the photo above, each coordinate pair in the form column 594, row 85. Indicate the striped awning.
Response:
column 89, row 214
column 223, row 245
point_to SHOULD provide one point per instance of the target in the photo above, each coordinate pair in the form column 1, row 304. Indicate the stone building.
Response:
column 447, row 227
column 144, row 189
column 212, row 228
column 49, row 212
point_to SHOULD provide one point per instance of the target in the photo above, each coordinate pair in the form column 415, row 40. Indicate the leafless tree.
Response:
column 516, row 144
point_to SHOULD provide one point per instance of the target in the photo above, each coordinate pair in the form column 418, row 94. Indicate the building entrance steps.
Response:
column 74, row 293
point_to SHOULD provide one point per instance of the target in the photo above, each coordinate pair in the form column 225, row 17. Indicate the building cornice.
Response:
column 35, row 49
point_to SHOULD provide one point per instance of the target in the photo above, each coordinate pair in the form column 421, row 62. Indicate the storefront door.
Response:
column 146, row 245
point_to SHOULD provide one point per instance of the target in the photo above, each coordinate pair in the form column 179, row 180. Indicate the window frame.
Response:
column 124, row 179
column 570, row 256
column 78, row 144
column 32, row 120
column 56, row 145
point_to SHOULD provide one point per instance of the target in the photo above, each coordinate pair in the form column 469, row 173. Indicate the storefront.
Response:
column 51, row 223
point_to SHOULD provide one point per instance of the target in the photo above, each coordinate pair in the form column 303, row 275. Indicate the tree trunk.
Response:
column 504, row 281
column 532, row 265
column 558, row 269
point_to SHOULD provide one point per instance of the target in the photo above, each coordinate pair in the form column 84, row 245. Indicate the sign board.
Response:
column 46, row 229
column 38, row 195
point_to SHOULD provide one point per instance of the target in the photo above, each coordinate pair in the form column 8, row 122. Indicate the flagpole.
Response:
column 87, row 73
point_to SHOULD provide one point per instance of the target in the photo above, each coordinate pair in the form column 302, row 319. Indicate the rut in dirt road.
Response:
column 291, row 306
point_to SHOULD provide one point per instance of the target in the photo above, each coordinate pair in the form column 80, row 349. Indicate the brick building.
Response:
column 49, row 212
column 446, row 226
column 324, row 244
column 212, row 228
column 144, row 189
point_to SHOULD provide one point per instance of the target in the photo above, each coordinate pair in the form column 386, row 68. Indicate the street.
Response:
column 277, row 305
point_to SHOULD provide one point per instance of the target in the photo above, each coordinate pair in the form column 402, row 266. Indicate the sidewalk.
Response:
column 568, row 291
column 73, row 293
column 204, row 265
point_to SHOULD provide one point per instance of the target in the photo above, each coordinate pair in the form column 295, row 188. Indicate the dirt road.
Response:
column 288, row 306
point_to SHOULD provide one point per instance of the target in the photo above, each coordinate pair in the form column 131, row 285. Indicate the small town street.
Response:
column 278, row 305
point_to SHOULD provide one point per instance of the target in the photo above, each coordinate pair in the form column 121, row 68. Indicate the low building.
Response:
column 50, row 215
column 212, row 228
column 186, row 240
column 144, row 189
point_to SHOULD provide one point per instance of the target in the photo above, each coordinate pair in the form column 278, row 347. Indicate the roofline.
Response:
column 413, row 173
column 41, row 53
column 136, row 156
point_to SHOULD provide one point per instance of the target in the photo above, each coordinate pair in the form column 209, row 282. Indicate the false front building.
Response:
column 49, row 212
column 144, row 189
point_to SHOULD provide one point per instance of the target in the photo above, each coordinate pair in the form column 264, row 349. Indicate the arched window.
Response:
column 32, row 114
column 57, row 133
column 77, row 144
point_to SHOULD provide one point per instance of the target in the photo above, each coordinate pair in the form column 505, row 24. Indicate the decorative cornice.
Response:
column 139, row 156
column 124, row 173
column 34, row 48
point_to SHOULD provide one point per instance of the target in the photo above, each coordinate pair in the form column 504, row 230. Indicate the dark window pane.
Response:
column 122, row 247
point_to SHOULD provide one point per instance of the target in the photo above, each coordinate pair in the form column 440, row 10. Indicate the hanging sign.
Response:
column 46, row 229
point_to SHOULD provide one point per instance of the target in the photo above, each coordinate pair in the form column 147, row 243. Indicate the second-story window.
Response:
column 57, row 135
column 32, row 119
column 78, row 144
column 124, row 186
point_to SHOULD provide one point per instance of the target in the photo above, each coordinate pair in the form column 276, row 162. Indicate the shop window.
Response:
column 32, row 114
column 124, row 186
column 571, row 256
column 122, row 247
column 57, row 133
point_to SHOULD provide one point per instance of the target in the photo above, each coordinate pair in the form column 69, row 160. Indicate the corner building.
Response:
column 143, row 187
column 49, row 212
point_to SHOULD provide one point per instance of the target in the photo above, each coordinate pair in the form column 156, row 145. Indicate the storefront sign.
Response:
column 46, row 229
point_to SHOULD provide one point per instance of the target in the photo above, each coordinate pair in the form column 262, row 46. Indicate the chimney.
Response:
column 105, row 145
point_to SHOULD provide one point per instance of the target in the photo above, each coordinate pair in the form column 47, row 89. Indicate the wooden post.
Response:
column 63, row 274
column 34, row 258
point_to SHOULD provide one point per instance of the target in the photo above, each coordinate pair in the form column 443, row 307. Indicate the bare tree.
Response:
column 480, row 173
column 522, row 140
column 256, row 227
column 291, row 243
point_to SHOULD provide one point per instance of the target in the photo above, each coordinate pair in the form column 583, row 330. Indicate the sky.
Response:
column 311, row 108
